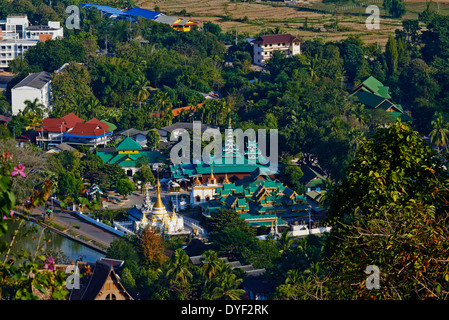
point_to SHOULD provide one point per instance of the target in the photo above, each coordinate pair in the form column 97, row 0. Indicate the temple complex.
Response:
column 156, row 215
column 233, row 165
column 260, row 200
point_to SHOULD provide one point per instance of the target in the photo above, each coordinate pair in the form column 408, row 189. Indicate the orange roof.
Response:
column 45, row 37
column 176, row 112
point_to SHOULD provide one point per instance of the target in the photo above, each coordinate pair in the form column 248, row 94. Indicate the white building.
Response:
column 202, row 192
column 34, row 86
column 264, row 46
column 17, row 36
column 158, row 216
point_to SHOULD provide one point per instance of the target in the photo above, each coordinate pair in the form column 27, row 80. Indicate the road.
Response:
column 67, row 218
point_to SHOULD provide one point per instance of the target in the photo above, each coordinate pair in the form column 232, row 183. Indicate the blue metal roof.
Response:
column 147, row 14
column 104, row 9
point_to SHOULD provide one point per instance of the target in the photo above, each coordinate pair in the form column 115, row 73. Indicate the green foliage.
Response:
column 16, row 281
column 387, row 212
column 125, row 187
column 396, row 8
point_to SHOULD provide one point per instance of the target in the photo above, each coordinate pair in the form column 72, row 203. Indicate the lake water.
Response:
column 51, row 242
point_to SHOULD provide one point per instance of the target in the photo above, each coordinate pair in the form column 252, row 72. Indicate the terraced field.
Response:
column 254, row 18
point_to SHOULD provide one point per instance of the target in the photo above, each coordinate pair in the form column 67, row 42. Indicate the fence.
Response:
column 304, row 231
column 99, row 224
column 194, row 224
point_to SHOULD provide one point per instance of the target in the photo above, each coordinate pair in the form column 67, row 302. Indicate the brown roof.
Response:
column 276, row 38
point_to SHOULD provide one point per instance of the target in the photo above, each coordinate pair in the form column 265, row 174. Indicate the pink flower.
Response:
column 11, row 213
column 49, row 264
column 5, row 218
column 19, row 170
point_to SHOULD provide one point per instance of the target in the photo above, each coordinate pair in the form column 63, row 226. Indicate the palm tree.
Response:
column 142, row 90
column 439, row 134
column 94, row 107
column 178, row 269
column 34, row 112
column 228, row 288
column 284, row 241
column 313, row 64
column 211, row 264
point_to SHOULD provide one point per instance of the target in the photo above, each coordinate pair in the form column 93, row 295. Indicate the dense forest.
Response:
column 124, row 73
column 149, row 68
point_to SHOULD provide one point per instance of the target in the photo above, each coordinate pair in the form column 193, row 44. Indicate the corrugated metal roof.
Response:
column 35, row 80
column 104, row 9
column 147, row 14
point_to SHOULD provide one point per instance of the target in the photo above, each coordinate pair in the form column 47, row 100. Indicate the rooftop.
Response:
column 35, row 80
column 276, row 38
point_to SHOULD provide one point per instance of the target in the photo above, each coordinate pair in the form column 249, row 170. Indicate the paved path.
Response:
column 68, row 219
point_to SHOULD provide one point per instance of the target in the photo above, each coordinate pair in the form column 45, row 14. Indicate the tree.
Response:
column 391, row 55
column 210, row 264
column 16, row 281
column 179, row 267
column 144, row 175
column 69, row 185
column 142, row 90
column 125, row 187
column 388, row 212
column 440, row 132
column 226, row 218
column 115, row 173
column 396, row 8
column 228, row 288
column 34, row 112
column 153, row 138
column 123, row 249
column 151, row 247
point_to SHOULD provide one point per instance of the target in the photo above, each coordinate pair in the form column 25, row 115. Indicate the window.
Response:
column 111, row 296
column 198, row 199
column 207, row 198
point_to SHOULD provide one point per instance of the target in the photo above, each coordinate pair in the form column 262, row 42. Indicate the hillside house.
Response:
column 264, row 46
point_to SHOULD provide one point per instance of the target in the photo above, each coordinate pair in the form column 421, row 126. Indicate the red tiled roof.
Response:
column 71, row 119
column 53, row 125
column 276, row 38
column 87, row 129
column 100, row 123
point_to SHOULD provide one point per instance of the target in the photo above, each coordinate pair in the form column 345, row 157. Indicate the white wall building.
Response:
column 17, row 36
column 34, row 86
column 264, row 46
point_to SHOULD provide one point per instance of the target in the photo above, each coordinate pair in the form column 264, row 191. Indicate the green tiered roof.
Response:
column 373, row 94
column 259, row 201
column 128, row 144
column 129, row 160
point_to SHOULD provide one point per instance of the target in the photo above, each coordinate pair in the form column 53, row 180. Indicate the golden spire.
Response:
column 158, row 203
column 226, row 180
column 197, row 181
column 212, row 179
